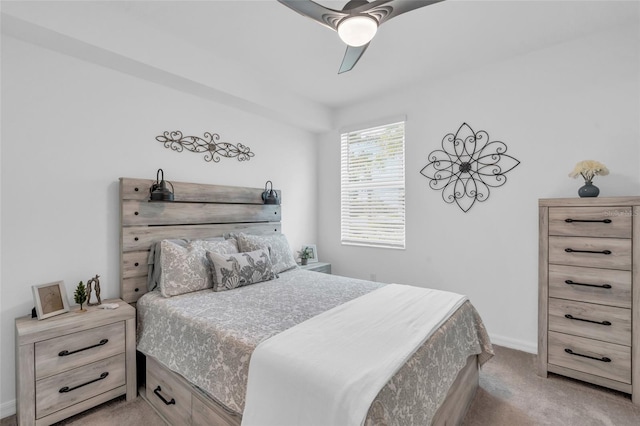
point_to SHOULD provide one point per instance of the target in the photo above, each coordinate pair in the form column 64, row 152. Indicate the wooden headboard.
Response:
column 199, row 211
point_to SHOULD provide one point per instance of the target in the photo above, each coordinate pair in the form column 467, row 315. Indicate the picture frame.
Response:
column 50, row 299
column 314, row 251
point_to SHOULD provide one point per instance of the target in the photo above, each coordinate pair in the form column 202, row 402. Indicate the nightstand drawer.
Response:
column 590, row 356
column 602, row 286
column 74, row 350
column 605, row 323
column 612, row 222
column 610, row 253
column 168, row 394
column 65, row 389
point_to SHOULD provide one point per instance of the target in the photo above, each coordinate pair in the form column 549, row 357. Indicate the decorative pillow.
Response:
column 230, row 235
column 187, row 269
column 237, row 270
column 153, row 263
column 278, row 246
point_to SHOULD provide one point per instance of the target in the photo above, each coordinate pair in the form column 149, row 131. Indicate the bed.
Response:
column 197, row 346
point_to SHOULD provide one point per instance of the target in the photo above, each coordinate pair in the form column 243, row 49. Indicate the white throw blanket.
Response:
column 329, row 369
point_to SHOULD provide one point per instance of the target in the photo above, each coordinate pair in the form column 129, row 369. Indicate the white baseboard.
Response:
column 7, row 409
column 520, row 345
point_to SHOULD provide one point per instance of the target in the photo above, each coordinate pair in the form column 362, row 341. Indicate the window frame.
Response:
column 386, row 186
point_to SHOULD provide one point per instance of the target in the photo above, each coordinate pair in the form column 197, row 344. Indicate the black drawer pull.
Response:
column 157, row 392
column 101, row 343
column 588, row 221
column 603, row 359
column 570, row 250
column 588, row 285
column 68, row 389
column 571, row 317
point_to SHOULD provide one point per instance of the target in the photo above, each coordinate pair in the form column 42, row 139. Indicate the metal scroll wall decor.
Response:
column 209, row 144
column 467, row 166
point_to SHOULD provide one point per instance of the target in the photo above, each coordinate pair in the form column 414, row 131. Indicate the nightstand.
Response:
column 74, row 361
column 323, row 267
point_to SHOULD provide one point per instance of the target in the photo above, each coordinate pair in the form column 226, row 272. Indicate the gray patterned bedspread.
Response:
column 208, row 338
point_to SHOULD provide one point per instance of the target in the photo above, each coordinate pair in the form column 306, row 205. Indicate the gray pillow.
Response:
column 276, row 244
column 153, row 262
column 187, row 269
column 237, row 270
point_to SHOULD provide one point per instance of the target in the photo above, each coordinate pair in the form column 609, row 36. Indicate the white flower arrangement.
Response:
column 588, row 169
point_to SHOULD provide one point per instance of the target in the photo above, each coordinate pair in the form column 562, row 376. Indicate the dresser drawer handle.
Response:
column 570, row 250
column 603, row 359
column 571, row 317
column 588, row 285
column 101, row 343
column 68, row 389
column 157, row 392
column 589, row 221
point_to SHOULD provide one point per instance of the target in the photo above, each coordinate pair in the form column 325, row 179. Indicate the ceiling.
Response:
column 261, row 57
column 426, row 43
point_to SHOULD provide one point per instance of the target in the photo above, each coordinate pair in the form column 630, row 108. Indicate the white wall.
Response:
column 70, row 129
column 553, row 108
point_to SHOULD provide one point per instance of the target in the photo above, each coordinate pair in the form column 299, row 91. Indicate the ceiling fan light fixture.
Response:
column 357, row 30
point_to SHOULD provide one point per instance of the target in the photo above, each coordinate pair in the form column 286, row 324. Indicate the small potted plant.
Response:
column 305, row 254
column 589, row 169
column 80, row 295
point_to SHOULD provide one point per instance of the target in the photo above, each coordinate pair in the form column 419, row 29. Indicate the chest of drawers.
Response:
column 589, row 291
column 74, row 361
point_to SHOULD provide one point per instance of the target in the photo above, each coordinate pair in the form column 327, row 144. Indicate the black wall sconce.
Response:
column 159, row 190
column 269, row 196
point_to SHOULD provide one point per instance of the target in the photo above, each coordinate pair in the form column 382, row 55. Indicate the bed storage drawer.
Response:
column 592, row 285
column 70, row 387
column 609, row 253
column 74, row 350
column 168, row 394
column 202, row 414
column 605, row 221
column 590, row 356
column 605, row 323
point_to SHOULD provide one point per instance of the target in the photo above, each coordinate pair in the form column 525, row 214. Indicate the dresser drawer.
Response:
column 81, row 383
column 74, row 350
column 617, row 368
column 612, row 222
column 609, row 253
column 599, row 322
column 169, row 395
column 602, row 286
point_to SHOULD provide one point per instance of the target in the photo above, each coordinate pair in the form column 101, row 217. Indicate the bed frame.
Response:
column 201, row 211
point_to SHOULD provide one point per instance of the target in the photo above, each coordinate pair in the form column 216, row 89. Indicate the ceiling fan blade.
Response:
column 322, row 15
column 385, row 10
column 351, row 57
column 370, row 5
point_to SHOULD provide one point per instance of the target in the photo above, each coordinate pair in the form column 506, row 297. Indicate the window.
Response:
column 372, row 187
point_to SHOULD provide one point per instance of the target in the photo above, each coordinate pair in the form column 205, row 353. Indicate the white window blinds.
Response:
column 372, row 187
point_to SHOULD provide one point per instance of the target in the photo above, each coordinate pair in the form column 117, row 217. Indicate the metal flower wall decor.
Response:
column 467, row 166
column 209, row 145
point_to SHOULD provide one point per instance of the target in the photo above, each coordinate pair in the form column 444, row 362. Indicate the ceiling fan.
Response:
column 357, row 22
